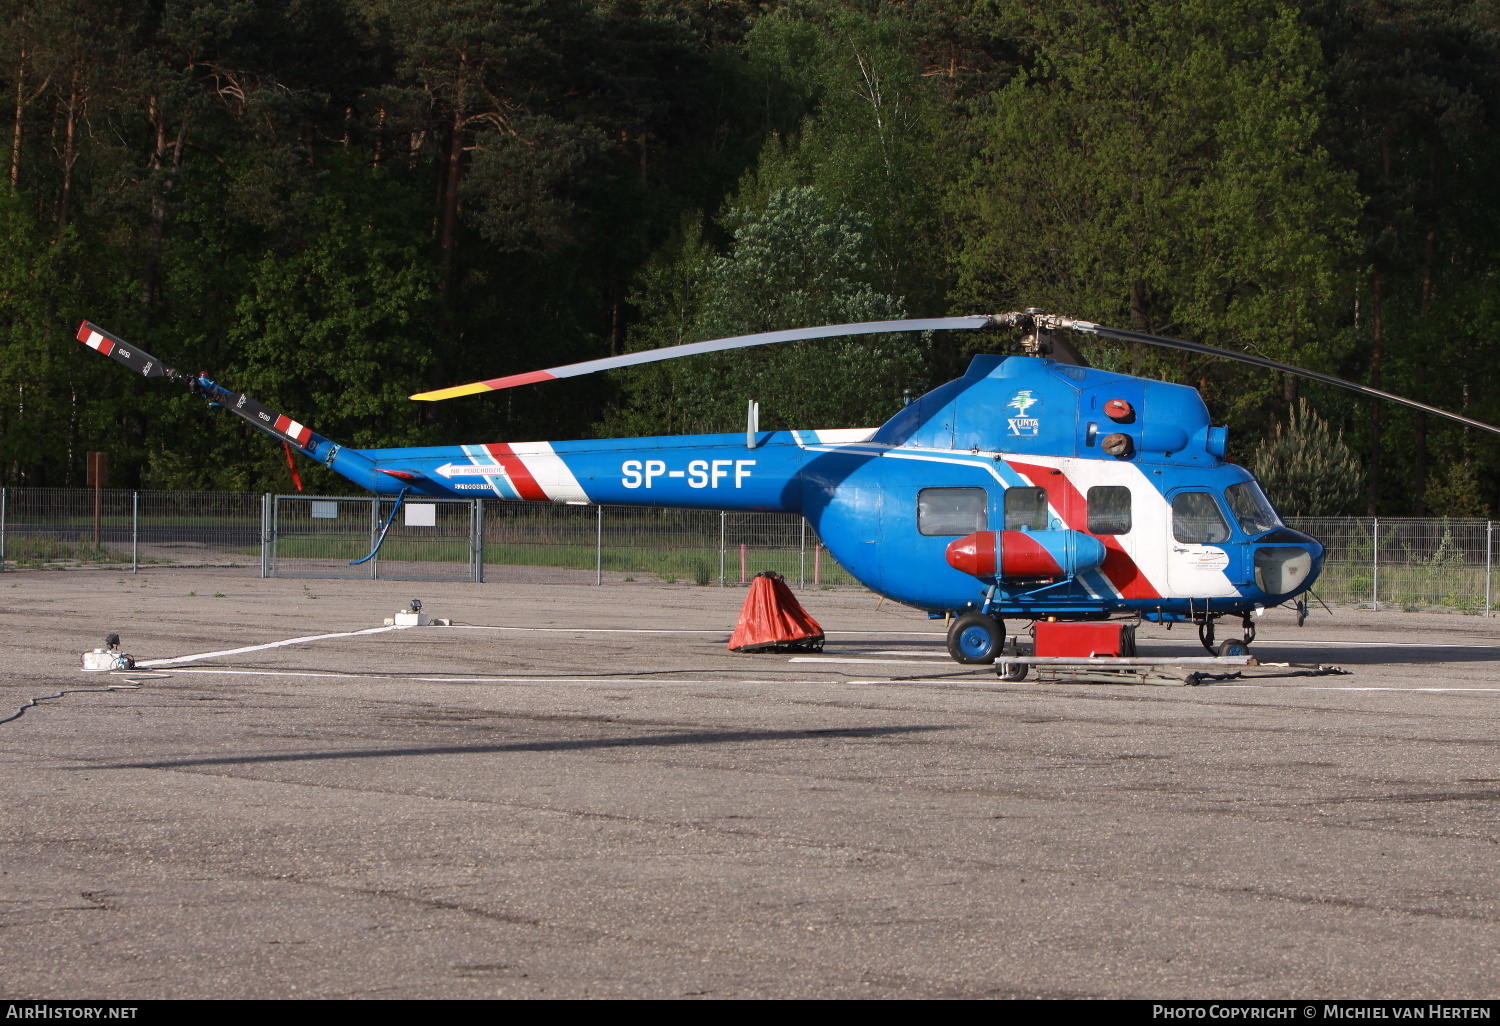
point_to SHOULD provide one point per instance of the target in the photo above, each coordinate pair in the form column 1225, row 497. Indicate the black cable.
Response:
column 68, row 691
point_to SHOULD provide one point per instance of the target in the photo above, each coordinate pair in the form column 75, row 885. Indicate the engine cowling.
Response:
column 1026, row 554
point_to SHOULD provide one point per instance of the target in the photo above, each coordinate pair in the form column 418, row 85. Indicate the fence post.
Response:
column 476, row 539
column 722, row 515
column 1489, row 548
column 135, row 532
column 3, row 492
column 1375, row 565
column 599, row 546
column 374, row 533
column 802, row 557
column 267, row 521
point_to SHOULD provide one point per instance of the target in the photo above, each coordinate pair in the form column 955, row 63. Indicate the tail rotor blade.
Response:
column 713, row 346
column 278, row 425
column 117, row 349
column 1088, row 327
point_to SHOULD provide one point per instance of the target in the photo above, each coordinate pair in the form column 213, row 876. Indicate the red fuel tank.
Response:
column 1025, row 554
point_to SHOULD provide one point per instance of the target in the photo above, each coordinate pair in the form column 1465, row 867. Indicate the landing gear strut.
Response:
column 1206, row 637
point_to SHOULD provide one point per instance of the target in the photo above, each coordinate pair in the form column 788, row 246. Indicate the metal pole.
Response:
column 802, row 557
column 1375, row 566
column 374, row 533
column 3, row 492
column 267, row 507
column 599, row 546
column 722, row 516
column 98, row 502
column 1489, row 548
column 135, row 532
column 477, row 542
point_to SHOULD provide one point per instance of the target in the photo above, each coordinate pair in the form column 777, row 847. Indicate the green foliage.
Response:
column 1307, row 470
column 332, row 203
column 1458, row 492
column 794, row 262
column 1159, row 165
column 874, row 144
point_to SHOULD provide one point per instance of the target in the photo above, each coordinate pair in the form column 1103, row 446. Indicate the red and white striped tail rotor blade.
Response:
column 117, row 349
column 717, row 345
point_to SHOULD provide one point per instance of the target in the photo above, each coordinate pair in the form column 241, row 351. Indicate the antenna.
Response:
column 752, row 424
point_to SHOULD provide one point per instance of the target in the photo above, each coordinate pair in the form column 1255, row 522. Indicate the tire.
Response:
column 1232, row 648
column 1013, row 671
column 975, row 638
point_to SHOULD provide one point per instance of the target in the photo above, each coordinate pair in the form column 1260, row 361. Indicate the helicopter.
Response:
column 1032, row 488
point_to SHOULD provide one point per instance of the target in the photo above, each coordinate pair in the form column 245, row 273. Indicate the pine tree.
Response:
column 1307, row 470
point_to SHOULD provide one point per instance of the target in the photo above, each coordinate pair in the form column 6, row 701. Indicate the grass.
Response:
column 29, row 553
column 1411, row 588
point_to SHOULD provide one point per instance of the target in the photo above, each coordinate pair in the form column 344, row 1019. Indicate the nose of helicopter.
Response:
column 1287, row 562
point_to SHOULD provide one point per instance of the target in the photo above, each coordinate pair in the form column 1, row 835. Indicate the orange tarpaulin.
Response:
column 772, row 620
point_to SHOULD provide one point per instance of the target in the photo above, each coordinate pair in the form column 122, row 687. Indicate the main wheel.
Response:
column 975, row 638
column 1232, row 648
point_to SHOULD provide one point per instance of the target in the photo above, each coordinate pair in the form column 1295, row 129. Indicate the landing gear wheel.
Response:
column 975, row 638
column 1206, row 635
column 1233, row 648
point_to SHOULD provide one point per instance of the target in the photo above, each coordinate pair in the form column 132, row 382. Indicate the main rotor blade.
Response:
column 573, row 370
column 1088, row 327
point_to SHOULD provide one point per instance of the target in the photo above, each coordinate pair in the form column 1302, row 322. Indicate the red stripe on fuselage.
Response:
column 525, row 485
column 1118, row 567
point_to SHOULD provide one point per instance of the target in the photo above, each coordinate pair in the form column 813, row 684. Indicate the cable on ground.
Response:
column 68, row 691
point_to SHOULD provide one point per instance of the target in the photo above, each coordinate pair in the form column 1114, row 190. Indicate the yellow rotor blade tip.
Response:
column 452, row 393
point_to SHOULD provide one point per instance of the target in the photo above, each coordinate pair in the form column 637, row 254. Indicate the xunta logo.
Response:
column 1028, row 408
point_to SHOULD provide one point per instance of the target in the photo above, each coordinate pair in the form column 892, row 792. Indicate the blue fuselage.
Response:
column 1020, row 453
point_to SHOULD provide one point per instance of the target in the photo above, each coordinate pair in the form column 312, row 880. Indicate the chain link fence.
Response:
column 57, row 528
column 1405, row 563
column 426, row 539
column 1379, row 563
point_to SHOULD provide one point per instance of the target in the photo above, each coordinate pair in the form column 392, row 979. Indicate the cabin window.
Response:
column 960, row 511
column 1025, row 509
column 1251, row 508
column 1196, row 519
column 1109, row 509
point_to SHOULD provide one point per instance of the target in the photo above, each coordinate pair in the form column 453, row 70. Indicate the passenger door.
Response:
column 1199, row 546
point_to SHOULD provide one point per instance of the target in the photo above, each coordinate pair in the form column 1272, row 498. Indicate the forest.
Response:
column 332, row 204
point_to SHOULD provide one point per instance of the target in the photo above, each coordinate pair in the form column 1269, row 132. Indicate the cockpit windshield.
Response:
column 1251, row 508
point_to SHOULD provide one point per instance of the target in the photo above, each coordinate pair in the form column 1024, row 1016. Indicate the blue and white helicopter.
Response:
column 1033, row 487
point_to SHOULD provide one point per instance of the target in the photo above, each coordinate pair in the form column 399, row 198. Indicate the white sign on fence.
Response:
column 421, row 514
column 325, row 510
